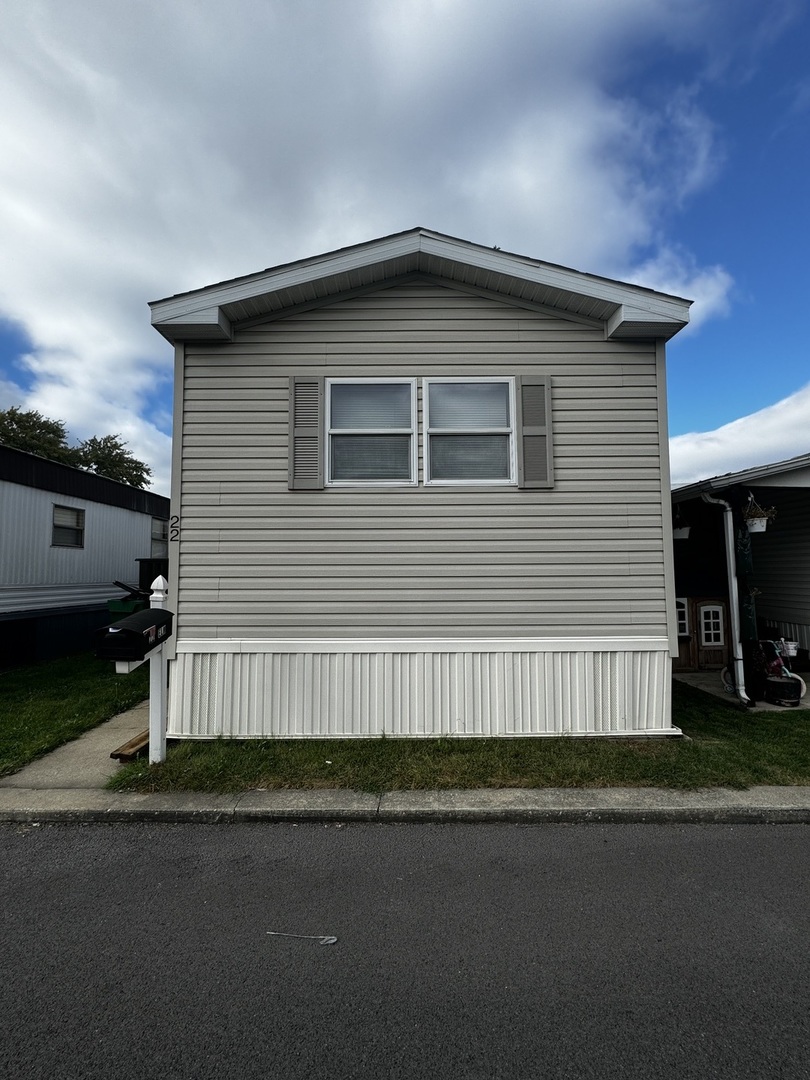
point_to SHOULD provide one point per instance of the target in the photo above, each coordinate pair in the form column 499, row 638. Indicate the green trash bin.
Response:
column 126, row 607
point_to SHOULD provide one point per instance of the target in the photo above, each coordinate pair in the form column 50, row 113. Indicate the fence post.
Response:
column 157, row 684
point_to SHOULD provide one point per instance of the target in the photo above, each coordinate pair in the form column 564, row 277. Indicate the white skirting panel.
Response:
column 328, row 689
column 35, row 598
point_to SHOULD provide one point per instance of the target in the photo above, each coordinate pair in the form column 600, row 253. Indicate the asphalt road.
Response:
column 462, row 951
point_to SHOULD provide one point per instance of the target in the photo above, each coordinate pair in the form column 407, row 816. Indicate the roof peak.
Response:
column 211, row 313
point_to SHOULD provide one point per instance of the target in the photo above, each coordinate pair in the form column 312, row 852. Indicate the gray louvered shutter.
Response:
column 535, row 457
column 306, row 432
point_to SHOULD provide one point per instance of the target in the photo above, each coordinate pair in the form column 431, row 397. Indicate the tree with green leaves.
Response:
column 108, row 456
column 37, row 434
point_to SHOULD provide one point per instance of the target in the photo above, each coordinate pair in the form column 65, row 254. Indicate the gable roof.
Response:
column 794, row 472
column 628, row 312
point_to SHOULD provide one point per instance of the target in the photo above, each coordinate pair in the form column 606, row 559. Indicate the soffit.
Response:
column 212, row 313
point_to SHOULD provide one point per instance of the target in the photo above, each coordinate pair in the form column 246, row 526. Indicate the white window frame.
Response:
column 720, row 616
column 413, row 432
column 510, row 431
column 682, row 609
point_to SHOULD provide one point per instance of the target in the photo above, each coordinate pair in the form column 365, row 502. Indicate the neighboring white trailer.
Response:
column 65, row 536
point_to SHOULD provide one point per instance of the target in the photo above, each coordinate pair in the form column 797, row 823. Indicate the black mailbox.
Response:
column 135, row 636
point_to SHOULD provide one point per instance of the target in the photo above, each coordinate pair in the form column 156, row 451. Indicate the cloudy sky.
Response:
column 148, row 148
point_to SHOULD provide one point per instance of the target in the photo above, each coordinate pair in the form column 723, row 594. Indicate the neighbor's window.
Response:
column 683, row 617
column 371, row 426
column 68, row 527
column 469, row 427
column 160, row 539
column 711, row 626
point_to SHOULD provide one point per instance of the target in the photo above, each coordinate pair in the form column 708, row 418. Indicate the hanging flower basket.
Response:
column 757, row 517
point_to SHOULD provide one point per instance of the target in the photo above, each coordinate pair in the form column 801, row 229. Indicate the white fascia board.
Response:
column 795, row 472
column 178, row 308
column 798, row 478
column 658, row 318
column 797, row 466
column 191, row 313
column 557, row 277
column 201, row 324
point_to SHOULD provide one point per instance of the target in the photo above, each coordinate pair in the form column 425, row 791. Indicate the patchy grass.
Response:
column 726, row 747
column 44, row 706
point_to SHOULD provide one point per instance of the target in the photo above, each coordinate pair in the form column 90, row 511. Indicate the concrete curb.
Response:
column 764, row 805
column 67, row 786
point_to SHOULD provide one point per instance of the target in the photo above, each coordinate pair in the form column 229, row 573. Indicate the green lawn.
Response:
column 43, row 706
column 726, row 747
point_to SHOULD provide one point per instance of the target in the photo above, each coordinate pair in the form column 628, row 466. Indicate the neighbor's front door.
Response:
column 702, row 633
column 711, row 633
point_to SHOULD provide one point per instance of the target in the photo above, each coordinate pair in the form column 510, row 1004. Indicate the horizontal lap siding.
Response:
column 258, row 560
column 781, row 559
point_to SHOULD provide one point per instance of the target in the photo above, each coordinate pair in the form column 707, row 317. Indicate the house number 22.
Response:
column 174, row 527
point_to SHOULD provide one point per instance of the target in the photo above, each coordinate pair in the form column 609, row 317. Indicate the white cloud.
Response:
column 775, row 433
column 675, row 271
column 151, row 148
column 10, row 394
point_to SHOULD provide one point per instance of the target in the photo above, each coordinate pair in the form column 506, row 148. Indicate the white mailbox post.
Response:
column 133, row 641
column 157, row 683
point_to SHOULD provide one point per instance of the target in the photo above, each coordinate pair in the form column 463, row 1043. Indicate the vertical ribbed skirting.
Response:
column 327, row 689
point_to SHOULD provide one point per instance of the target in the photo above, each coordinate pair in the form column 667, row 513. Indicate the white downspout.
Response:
column 733, row 596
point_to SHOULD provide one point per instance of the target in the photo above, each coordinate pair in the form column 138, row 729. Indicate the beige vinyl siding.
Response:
column 258, row 560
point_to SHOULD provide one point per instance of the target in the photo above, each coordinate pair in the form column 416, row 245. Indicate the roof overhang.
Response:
column 627, row 312
column 794, row 473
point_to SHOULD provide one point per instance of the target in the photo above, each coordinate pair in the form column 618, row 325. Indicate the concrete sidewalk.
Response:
column 68, row 786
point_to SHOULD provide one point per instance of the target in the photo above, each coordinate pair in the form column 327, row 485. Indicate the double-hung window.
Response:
column 68, row 527
column 469, row 431
column 473, row 430
column 371, row 431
